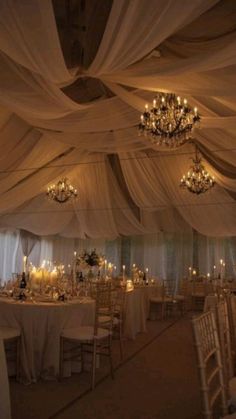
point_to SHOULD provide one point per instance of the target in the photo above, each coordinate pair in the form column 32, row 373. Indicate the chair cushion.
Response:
column 107, row 319
column 84, row 333
column 9, row 333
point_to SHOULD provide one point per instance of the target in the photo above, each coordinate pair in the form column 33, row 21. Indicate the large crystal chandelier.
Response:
column 197, row 180
column 62, row 191
column 170, row 120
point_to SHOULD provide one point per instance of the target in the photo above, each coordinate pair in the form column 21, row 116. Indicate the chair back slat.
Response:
column 101, row 292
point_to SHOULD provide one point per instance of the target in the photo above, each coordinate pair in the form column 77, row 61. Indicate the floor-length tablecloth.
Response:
column 137, row 310
column 41, row 325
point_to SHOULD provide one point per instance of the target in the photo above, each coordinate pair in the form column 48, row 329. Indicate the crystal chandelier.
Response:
column 170, row 121
column 62, row 191
column 197, row 180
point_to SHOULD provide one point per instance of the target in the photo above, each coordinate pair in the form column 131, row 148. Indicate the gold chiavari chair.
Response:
column 157, row 302
column 231, row 305
column 95, row 340
column 212, row 380
column 222, row 321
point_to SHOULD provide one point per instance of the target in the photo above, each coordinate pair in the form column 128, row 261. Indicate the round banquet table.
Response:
column 41, row 324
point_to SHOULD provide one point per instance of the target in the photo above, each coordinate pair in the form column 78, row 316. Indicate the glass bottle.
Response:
column 23, row 281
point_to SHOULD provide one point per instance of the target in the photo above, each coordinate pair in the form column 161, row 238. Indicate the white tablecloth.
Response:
column 41, row 325
column 137, row 310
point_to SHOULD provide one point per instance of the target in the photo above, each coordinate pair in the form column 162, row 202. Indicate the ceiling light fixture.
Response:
column 170, row 121
column 197, row 180
column 62, row 191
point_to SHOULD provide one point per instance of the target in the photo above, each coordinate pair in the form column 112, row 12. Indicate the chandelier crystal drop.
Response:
column 197, row 180
column 170, row 121
column 62, row 192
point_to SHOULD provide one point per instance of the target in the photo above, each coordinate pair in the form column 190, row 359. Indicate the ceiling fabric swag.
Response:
column 48, row 132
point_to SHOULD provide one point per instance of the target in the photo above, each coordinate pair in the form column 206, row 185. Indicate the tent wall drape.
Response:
column 166, row 255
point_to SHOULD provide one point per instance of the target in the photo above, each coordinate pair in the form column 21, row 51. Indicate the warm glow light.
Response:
column 62, row 191
column 197, row 180
column 169, row 122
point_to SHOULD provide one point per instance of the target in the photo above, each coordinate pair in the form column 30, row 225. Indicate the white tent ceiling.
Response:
column 77, row 115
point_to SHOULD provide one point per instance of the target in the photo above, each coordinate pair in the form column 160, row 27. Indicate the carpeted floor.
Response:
column 158, row 379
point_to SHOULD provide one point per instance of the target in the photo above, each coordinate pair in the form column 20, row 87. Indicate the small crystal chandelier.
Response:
column 197, row 180
column 169, row 122
column 62, row 191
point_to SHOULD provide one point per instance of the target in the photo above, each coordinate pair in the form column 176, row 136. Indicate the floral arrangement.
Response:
column 90, row 259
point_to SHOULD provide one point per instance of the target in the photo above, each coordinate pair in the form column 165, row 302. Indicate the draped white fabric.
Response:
column 9, row 242
column 183, row 47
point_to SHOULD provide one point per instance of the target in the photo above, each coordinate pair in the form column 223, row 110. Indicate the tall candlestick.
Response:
column 123, row 272
column 24, row 263
column 105, row 268
column 74, row 267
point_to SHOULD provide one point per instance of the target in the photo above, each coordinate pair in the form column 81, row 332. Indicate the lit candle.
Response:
column 208, row 275
column 24, row 263
column 123, row 272
column 134, row 266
